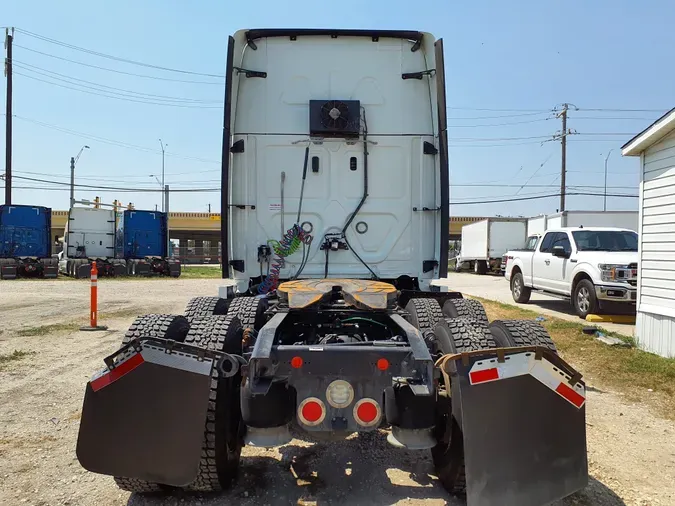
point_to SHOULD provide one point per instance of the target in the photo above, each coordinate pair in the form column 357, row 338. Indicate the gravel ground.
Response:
column 631, row 452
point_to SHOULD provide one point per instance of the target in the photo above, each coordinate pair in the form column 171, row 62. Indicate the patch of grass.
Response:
column 200, row 272
column 15, row 355
column 43, row 330
column 627, row 370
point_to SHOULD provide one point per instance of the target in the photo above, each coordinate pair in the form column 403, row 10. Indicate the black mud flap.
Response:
column 522, row 415
column 145, row 417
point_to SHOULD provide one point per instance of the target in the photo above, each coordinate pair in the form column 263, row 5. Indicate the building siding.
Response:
column 655, row 325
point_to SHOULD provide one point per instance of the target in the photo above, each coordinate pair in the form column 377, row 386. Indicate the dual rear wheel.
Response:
column 464, row 327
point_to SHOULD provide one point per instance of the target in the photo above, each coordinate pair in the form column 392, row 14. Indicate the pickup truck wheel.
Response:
column 584, row 299
column 520, row 292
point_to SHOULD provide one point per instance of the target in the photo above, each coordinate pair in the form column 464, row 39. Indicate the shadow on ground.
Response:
column 364, row 470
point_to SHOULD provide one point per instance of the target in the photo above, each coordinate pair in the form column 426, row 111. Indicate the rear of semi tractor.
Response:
column 25, row 242
column 142, row 241
column 333, row 319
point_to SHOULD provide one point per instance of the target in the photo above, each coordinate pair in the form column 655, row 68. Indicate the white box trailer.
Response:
column 537, row 225
column 485, row 242
column 90, row 236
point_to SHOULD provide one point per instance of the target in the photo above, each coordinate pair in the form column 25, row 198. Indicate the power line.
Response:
column 77, row 81
column 504, row 115
column 116, row 58
column 499, row 110
column 113, row 142
column 499, row 124
column 116, row 97
column 144, row 76
column 538, row 197
column 624, row 110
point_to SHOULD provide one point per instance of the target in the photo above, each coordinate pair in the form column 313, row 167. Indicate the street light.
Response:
column 73, row 161
column 604, row 207
column 162, row 183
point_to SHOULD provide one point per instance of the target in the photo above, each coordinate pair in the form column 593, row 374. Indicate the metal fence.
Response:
column 197, row 255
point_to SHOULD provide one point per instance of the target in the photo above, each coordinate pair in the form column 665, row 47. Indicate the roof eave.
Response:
column 650, row 135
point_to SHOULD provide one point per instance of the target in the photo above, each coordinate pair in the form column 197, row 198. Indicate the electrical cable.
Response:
column 363, row 199
column 113, row 96
column 76, row 82
column 187, row 81
column 116, row 58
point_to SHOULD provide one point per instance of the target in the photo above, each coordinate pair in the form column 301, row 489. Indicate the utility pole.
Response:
column 563, row 142
column 73, row 161
column 9, row 37
column 604, row 207
column 168, row 232
column 209, row 208
column 163, row 146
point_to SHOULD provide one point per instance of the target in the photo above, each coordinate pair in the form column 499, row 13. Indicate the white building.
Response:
column 655, row 326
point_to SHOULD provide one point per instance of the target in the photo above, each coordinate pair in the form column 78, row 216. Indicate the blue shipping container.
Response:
column 25, row 231
column 141, row 234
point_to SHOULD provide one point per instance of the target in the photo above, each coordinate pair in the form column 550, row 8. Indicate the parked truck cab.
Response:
column 586, row 265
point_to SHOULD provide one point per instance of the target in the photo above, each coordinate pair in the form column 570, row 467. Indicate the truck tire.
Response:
column 584, row 298
column 199, row 307
column 521, row 293
column 173, row 327
column 467, row 309
column 138, row 486
column 423, row 313
column 516, row 333
column 223, row 428
column 250, row 311
column 480, row 267
column 455, row 336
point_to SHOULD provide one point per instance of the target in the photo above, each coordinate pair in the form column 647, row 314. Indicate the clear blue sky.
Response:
column 515, row 60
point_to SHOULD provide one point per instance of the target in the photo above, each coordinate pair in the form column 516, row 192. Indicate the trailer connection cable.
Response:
column 290, row 243
column 363, row 198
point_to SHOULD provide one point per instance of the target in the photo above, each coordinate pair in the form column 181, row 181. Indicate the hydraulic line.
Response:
column 290, row 243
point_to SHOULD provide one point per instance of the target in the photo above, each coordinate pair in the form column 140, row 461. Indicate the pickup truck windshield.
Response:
column 605, row 240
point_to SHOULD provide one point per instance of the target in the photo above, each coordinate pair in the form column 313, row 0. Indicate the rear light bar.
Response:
column 519, row 364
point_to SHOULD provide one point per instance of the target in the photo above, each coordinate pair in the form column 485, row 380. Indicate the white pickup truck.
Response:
column 585, row 265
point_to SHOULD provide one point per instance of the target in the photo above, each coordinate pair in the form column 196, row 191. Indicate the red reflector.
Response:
column 367, row 412
column 296, row 362
column 571, row 395
column 383, row 364
column 484, row 375
column 312, row 411
column 117, row 372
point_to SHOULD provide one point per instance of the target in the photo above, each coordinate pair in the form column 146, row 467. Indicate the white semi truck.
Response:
column 335, row 176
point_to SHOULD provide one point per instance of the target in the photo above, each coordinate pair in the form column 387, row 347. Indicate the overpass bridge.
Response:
column 200, row 232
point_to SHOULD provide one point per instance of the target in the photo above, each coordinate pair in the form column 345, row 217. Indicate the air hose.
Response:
column 294, row 238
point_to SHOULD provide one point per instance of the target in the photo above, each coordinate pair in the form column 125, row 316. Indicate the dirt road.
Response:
column 631, row 452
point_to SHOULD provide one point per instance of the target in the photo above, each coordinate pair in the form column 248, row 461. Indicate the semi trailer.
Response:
column 126, row 243
column 335, row 176
column 25, row 242
column 142, row 241
column 90, row 236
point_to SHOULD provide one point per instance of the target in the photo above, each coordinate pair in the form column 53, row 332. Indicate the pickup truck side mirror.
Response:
column 559, row 251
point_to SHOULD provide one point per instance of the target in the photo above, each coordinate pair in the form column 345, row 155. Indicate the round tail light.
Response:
column 312, row 411
column 367, row 412
column 339, row 394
